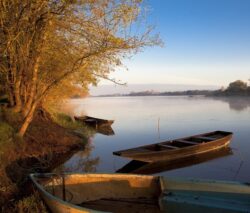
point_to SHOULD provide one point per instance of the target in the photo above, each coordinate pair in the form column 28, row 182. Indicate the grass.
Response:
column 67, row 122
column 31, row 204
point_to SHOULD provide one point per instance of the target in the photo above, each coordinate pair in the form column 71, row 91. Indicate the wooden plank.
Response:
column 187, row 142
column 168, row 146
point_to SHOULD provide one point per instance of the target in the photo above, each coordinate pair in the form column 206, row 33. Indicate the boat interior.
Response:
column 137, row 193
column 186, row 142
column 125, row 193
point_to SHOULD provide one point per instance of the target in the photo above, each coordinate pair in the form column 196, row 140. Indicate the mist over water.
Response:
column 147, row 120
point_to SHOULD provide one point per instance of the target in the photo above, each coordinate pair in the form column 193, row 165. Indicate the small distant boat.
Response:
column 139, row 193
column 178, row 148
column 97, row 122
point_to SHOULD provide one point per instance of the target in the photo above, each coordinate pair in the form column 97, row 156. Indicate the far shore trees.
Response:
column 47, row 47
column 236, row 88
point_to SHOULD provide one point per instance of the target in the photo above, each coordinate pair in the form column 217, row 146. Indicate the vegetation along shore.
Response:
column 236, row 88
column 51, row 51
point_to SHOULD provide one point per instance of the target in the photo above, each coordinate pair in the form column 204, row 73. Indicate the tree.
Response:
column 45, row 44
column 237, row 87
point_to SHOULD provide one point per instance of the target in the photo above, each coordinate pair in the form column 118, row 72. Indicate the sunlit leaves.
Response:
column 76, row 42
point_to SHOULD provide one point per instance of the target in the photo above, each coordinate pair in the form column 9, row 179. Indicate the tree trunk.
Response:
column 10, row 97
column 32, row 93
column 24, row 94
column 27, row 120
column 18, row 104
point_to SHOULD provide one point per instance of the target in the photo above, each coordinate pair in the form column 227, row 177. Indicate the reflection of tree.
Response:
column 236, row 103
column 82, row 161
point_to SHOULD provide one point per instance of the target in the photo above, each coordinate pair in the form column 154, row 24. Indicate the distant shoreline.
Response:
column 154, row 93
column 196, row 93
column 237, row 88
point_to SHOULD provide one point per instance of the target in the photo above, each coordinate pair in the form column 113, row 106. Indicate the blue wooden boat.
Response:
column 77, row 193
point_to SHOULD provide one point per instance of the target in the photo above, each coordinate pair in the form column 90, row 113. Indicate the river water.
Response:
column 146, row 120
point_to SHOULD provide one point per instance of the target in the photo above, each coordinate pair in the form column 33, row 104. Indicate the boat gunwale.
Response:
column 52, row 197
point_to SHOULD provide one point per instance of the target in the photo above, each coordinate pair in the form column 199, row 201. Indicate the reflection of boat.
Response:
column 140, row 167
column 137, row 193
column 178, row 148
column 105, row 130
column 94, row 121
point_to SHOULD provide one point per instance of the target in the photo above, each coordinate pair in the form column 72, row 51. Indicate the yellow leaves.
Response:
column 93, row 32
column 98, row 12
column 127, row 13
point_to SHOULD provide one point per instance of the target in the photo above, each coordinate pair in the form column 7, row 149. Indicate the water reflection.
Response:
column 146, row 120
column 90, row 131
column 83, row 162
column 139, row 167
column 105, row 130
column 236, row 103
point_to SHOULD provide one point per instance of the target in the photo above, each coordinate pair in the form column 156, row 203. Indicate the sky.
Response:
column 206, row 42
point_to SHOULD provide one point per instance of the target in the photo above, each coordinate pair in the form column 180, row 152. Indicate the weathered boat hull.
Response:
column 171, row 194
column 204, row 196
column 144, row 153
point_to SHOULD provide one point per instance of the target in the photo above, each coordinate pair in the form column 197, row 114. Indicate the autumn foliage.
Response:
column 50, row 47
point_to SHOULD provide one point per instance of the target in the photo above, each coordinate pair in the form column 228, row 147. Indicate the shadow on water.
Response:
column 18, row 171
column 84, row 161
column 235, row 103
column 139, row 167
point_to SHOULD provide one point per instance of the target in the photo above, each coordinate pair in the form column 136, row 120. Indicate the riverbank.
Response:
column 49, row 142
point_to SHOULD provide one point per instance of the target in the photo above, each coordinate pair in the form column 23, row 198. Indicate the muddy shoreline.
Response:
column 45, row 147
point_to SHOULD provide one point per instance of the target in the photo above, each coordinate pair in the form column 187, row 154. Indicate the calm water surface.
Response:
column 146, row 120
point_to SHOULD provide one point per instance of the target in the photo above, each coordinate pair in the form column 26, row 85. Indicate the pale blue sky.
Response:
column 207, row 42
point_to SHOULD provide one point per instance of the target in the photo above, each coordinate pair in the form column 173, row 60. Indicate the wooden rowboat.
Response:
column 96, row 122
column 77, row 193
column 178, row 148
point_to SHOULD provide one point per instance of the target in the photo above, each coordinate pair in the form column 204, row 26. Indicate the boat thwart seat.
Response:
column 187, row 142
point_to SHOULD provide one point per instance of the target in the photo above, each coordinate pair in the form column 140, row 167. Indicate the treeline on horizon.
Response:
column 236, row 88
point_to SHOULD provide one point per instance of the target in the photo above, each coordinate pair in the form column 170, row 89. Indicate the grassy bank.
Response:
column 49, row 141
